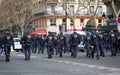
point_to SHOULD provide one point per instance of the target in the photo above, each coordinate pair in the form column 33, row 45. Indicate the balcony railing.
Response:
column 107, row 0
column 48, row 13
column 51, row 1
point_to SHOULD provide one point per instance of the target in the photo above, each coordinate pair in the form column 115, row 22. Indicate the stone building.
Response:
column 113, row 12
column 51, row 16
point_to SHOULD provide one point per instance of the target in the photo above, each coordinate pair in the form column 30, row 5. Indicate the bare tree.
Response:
column 93, row 12
column 16, row 12
column 115, row 7
column 86, row 5
column 24, row 14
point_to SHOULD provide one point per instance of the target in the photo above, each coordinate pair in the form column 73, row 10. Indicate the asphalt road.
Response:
column 40, row 65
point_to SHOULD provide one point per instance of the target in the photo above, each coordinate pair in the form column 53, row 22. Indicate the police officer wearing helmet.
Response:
column 7, row 41
column 101, row 44
column 42, row 47
column 28, row 44
column 96, row 49
column 113, row 41
column 88, row 44
column 118, row 43
column 74, row 41
column 61, row 44
column 50, row 45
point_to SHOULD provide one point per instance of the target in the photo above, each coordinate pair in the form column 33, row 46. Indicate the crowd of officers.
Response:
column 96, row 44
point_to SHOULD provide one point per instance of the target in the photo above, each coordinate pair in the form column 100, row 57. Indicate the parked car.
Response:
column 17, row 44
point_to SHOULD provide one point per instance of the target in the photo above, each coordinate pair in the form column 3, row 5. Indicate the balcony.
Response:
column 40, row 13
column 51, row 1
column 47, row 13
column 107, row 1
column 104, row 1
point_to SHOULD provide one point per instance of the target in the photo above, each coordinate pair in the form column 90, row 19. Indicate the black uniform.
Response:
column 101, row 44
column 50, row 45
column 74, row 41
column 8, row 41
column 118, row 43
column 113, row 41
column 28, row 44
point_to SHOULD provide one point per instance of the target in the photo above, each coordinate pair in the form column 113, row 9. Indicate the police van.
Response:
column 17, row 44
column 81, row 46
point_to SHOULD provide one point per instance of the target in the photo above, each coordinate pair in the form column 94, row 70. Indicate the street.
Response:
column 40, row 65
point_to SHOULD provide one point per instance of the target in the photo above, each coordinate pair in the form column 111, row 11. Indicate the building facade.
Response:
column 113, row 12
column 51, row 15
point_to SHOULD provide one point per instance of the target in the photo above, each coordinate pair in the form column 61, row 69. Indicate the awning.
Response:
column 39, row 32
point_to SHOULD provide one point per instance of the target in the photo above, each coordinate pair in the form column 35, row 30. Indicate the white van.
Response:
column 17, row 44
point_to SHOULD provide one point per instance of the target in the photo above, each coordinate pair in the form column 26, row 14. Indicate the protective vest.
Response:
column 29, row 40
column 8, row 40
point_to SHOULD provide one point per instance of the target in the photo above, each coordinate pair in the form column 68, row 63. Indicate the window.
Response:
column 71, row 22
column 92, row 0
column 53, row 22
column 100, row 0
column 63, row 21
column 81, row 20
column 82, row 0
column 72, row 0
column 92, row 9
column 82, row 11
column 100, row 10
column 72, row 9
column 99, row 22
column 52, row 9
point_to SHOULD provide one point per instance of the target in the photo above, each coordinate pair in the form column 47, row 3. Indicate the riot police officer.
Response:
column 118, row 43
column 74, row 41
column 95, row 43
column 50, row 45
column 55, row 38
column 67, row 45
column 101, row 44
column 8, row 41
column 28, row 42
column 61, row 44
column 1, row 46
column 88, row 44
column 35, row 44
column 113, row 41
column 42, row 44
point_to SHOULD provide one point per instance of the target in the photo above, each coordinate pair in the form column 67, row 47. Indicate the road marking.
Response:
column 22, row 55
column 83, row 64
column 76, row 64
